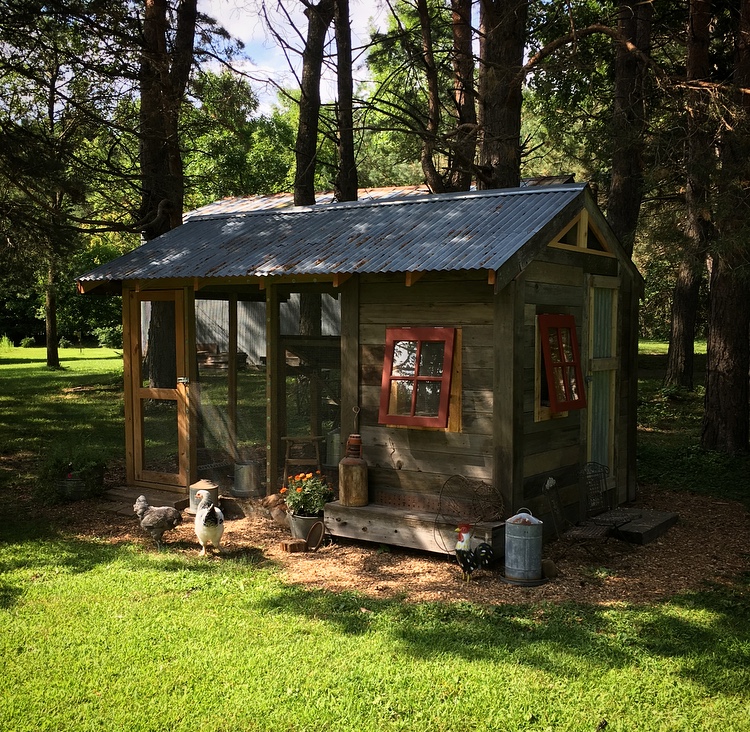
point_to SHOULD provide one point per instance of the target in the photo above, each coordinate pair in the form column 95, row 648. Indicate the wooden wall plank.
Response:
column 507, row 387
column 418, row 314
column 548, row 272
column 350, row 357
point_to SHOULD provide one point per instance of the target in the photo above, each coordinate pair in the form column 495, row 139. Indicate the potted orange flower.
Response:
column 305, row 495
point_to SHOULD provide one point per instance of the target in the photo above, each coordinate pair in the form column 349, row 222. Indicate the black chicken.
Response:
column 156, row 519
column 471, row 559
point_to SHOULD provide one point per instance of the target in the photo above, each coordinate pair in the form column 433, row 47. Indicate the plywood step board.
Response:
column 416, row 530
column 122, row 498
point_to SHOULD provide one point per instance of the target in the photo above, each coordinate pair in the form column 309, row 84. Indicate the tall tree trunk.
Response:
column 727, row 417
column 628, row 123
column 319, row 18
column 725, row 422
column 433, row 178
column 501, row 47
column 347, row 186
column 680, row 358
column 50, row 317
column 685, row 296
column 164, row 73
column 465, row 144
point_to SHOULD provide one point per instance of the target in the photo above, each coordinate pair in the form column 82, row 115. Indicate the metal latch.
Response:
column 183, row 379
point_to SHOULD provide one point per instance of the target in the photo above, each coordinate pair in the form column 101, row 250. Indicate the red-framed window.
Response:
column 416, row 384
column 562, row 379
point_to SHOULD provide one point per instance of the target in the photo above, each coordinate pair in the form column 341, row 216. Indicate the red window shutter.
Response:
column 562, row 362
column 416, row 380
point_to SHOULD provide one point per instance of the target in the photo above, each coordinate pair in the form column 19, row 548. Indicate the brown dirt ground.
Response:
column 709, row 544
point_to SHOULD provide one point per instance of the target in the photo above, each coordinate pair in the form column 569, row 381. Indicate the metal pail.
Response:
column 246, row 480
column 523, row 547
column 202, row 485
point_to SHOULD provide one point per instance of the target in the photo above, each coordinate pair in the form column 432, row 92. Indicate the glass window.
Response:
column 416, row 383
column 562, row 380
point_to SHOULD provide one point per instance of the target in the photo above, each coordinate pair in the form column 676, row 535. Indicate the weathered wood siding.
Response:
column 556, row 282
column 409, row 467
column 499, row 441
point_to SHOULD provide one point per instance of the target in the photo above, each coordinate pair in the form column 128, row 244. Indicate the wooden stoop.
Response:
column 123, row 497
column 400, row 527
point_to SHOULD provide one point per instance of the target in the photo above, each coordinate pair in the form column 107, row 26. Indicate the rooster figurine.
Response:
column 209, row 522
column 471, row 559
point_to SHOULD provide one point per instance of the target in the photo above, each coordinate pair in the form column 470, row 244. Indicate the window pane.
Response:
column 160, row 435
column 572, row 383
column 404, row 358
column 400, row 400
column 428, row 398
column 566, row 346
column 431, row 358
column 158, row 344
column 554, row 347
column 559, row 380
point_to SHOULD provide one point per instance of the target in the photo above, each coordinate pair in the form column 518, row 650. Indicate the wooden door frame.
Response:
column 135, row 392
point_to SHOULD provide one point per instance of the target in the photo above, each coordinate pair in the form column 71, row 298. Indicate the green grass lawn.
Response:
column 103, row 636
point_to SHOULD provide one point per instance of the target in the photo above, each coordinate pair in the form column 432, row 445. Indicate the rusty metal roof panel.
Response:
column 412, row 233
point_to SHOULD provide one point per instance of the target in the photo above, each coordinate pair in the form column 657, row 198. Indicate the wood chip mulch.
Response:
column 709, row 544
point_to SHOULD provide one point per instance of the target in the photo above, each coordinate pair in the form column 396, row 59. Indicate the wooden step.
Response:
column 647, row 525
column 416, row 530
column 121, row 498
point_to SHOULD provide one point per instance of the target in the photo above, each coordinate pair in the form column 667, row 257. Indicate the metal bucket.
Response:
column 523, row 547
column 202, row 485
column 246, row 480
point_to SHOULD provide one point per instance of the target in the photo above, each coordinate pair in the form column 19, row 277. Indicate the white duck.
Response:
column 209, row 522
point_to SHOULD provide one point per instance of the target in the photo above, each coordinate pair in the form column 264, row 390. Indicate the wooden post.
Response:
column 274, row 371
column 232, row 396
column 507, row 401
column 349, row 357
column 191, row 369
column 131, row 326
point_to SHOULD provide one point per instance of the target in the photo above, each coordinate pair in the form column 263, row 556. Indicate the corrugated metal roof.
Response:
column 244, row 204
column 412, row 233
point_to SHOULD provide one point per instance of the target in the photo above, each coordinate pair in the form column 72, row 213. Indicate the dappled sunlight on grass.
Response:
column 145, row 620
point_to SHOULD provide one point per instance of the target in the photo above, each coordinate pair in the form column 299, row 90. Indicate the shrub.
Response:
column 109, row 337
column 70, row 474
column 28, row 342
column 64, row 343
column 5, row 343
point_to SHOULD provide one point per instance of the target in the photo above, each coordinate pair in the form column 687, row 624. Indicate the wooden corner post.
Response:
column 274, row 373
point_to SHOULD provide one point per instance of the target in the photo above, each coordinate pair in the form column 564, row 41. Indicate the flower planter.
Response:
column 301, row 525
column 72, row 489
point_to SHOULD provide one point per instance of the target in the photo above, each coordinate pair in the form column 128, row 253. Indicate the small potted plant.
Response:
column 71, row 475
column 305, row 495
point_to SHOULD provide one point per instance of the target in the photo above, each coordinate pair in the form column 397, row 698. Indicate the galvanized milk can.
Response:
column 353, row 475
column 523, row 547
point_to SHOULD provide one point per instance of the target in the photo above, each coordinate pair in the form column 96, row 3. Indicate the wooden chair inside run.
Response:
column 587, row 534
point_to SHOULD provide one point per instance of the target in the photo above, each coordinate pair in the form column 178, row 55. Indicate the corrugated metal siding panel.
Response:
column 433, row 233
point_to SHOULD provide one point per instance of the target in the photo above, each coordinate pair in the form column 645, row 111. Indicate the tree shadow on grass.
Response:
column 705, row 636
column 33, row 550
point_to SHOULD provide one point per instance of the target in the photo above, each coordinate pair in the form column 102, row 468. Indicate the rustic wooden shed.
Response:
column 487, row 341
